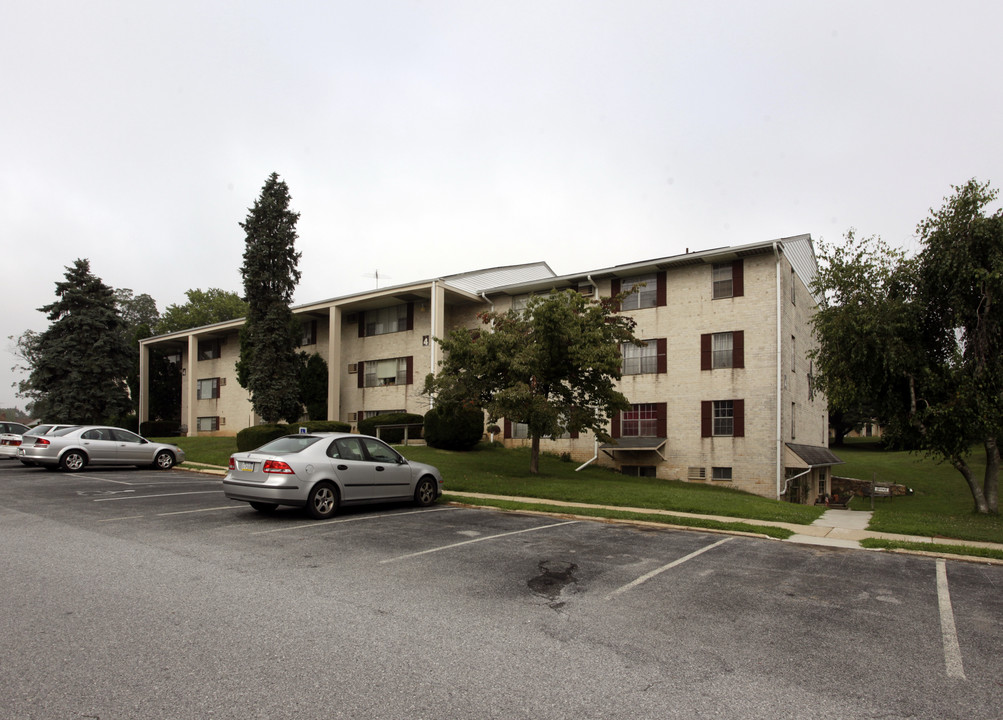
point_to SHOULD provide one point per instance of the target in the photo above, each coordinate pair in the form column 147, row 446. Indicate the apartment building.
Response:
column 722, row 391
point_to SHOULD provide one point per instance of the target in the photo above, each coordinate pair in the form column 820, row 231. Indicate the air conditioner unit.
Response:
column 222, row 421
column 353, row 367
column 222, row 382
column 353, row 417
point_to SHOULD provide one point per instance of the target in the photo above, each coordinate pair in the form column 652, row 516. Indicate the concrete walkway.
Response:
column 835, row 528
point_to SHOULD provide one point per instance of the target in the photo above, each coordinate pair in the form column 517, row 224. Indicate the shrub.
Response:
column 369, row 425
column 258, row 435
column 448, row 428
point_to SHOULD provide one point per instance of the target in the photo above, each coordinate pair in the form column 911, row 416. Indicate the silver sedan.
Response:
column 72, row 448
column 321, row 471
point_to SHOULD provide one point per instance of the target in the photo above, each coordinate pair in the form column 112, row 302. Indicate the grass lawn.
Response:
column 941, row 504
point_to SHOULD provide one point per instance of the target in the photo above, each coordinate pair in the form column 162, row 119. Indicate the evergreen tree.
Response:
column 269, row 365
column 80, row 364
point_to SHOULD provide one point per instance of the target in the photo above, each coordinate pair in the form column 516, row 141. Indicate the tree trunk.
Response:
column 981, row 506
column 991, row 482
column 534, row 457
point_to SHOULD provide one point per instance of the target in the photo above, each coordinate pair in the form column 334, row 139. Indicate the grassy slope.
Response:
column 940, row 505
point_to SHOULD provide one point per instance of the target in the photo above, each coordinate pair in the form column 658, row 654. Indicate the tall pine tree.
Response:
column 269, row 365
column 80, row 364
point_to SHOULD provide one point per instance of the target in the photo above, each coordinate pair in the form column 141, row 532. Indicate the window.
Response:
column 366, row 414
column 643, row 359
column 520, row 430
column 382, row 373
column 721, row 473
column 646, row 295
column 519, row 303
column 722, row 418
column 640, row 421
column 207, row 424
column 308, row 333
column 728, row 279
column 208, row 389
column 209, row 349
column 794, row 288
column 647, row 471
column 387, row 320
column 794, row 354
column 722, row 350
column 794, row 409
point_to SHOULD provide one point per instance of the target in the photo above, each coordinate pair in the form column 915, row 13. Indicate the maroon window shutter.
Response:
column 737, row 279
column 614, row 426
column 574, row 434
column 410, row 316
column 409, row 360
column 614, row 290
column 508, row 428
column 739, row 406
column 362, row 325
column 313, row 332
column 660, row 290
column 705, row 353
column 706, row 418
column 738, row 349
column 663, row 351
column 661, row 410
column 362, row 374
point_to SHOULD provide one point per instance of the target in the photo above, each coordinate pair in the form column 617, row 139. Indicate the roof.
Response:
column 635, row 444
column 814, row 455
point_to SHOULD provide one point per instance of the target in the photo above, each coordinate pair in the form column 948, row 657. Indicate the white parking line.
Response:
column 658, row 571
column 202, row 510
column 321, row 523
column 952, row 650
column 468, row 542
column 141, row 497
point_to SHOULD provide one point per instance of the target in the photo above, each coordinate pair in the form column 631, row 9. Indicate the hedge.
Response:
column 449, row 428
column 256, row 436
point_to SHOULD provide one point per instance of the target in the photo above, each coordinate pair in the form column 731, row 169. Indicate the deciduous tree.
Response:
column 204, row 307
column 921, row 339
column 553, row 366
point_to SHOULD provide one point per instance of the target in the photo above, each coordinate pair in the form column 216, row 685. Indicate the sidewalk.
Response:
column 835, row 528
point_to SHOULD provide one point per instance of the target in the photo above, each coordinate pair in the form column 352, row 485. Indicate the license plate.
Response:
column 245, row 466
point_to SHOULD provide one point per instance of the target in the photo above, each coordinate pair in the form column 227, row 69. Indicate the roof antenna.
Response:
column 376, row 274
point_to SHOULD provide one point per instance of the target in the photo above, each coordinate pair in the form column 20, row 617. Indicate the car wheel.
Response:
column 266, row 508
column 323, row 501
column 164, row 460
column 424, row 494
column 73, row 461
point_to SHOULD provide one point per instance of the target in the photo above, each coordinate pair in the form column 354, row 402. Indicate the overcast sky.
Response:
column 423, row 138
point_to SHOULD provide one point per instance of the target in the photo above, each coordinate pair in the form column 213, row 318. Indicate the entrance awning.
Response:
column 814, row 456
column 634, row 444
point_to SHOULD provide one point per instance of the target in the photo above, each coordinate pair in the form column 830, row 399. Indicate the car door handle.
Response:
column 379, row 468
column 343, row 467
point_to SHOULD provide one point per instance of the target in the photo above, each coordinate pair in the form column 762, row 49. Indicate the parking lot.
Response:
column 144, row 594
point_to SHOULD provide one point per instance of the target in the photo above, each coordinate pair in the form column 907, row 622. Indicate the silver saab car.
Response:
column 73, row 448
column 322, row 471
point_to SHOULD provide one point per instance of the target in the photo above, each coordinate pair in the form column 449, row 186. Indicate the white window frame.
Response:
column 641, row 360
column 213, row 388
column 386, row 320
column 640, row 421
column 723, row 418
column 646, row 295
column 722, row 346
column 723, row 280
column 386, row 373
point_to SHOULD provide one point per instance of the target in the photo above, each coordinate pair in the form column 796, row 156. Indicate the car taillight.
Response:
column 41, row 441
column 277, row 466
column 233, row 464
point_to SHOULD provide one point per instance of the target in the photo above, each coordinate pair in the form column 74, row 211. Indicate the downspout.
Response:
column 592, row 460
column 431, row 337
column 794, row 477
column 779, row 471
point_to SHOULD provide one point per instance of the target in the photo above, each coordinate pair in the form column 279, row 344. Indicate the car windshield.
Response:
column 39, row 430
column 64, row 431
column 288, row 444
